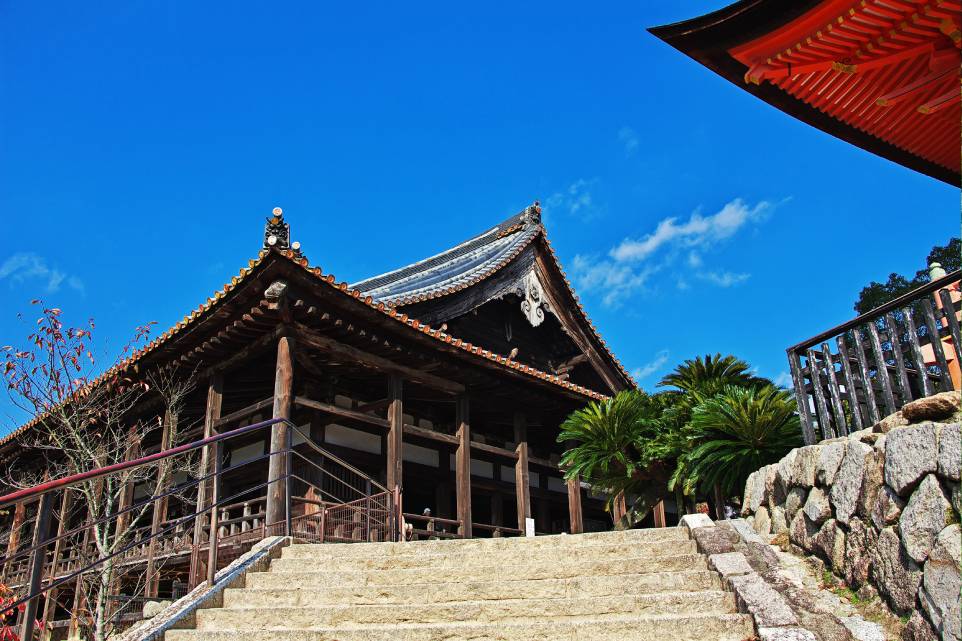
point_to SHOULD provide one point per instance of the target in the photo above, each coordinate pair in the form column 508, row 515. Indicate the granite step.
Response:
column 683, row 627
column 249, row 617
column 290, row 594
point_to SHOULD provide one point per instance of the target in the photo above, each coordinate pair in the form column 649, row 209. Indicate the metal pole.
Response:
column 367, row 502
column 214, row 514
column 40, row 529
column 287, row 484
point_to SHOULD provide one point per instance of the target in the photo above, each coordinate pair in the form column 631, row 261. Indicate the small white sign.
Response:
column 529, row 527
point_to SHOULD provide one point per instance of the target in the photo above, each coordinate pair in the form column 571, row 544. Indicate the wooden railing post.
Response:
column 463, row 466
column 40, row 528
column 521, row 475
column 214, row 498
column 283, row 384
column 160, row 509
column 215, row 396
column 62, row 519
column 575, row 512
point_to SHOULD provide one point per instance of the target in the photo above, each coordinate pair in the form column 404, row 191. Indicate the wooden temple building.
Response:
column 880, row 74
column 445, row 380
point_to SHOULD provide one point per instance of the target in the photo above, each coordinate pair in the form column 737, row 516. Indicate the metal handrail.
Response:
column 43, row 491
column 890, row 306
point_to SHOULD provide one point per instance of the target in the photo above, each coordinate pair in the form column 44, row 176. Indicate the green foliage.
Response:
column 877, row 294
column 734, row 433
column 715, row 424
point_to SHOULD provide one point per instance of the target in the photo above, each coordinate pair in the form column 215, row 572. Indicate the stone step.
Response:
column 480, row 563
column 290, row 594
column 296, row 555
column 298, row 572
column 719, row 627
column 529, row 543
column 516, row 610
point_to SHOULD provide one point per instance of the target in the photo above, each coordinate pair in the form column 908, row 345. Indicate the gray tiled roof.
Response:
column 458, row 267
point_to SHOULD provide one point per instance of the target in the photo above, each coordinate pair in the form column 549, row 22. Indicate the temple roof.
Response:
column 458, row 267
column 474, row 262
column 880, row 74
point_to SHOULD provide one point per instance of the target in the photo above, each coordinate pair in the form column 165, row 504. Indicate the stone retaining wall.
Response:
column 881, row 508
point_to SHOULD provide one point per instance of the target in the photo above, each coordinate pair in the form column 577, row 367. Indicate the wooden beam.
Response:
column 351, row 353
column 279, row 464
column 342, row 412
column 521, row 474
column 19, row 513
column 658, row 512
column 395, row 433
column 245, row 412
column 463, row 466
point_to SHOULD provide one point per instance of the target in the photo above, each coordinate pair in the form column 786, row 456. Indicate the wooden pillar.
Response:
column 160, row 508
column 280, row 437
column 462, row 471
column 521, row 477
column 658, row 512
column 576, row 517
column 63, row 519
column 215, row 397
column 19, row 513
column 395, row 417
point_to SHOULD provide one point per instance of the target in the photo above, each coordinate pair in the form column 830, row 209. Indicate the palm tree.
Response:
column 735, row 433
column 701, row 378
column 610, row 449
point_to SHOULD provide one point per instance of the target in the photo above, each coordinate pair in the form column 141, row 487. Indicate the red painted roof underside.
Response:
column 889, row 68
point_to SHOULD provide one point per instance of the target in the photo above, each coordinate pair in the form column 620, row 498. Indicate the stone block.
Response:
column 950, row 452
column 801, row 532
column 937, row 407
column 888, row 508
column 860, row 542
column 749, row 498
column 714, row 540
column 803, row 468
column 783, row 473
column 729, row 564
column 847, row 488
column 941, row 584
column 785, row 634
column 829, row 458
column 910, row 453
column 925, row 515
column 890, row 422
column 830, row 543
column 918, row 629
column 895, row 574
column 794, row 501
column 745, row 531
column 760, row 600
column 779, row 523
column 763, row 522
column 863, row 630
column 695, row 521
column 817, row 507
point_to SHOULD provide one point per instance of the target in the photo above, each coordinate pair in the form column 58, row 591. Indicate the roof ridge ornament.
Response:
column 532, row 214
column 277, row 233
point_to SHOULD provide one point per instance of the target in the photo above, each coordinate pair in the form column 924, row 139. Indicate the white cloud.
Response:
column 616, row 281
column 723, row 279
column 629, row 138
column 628, row 266
column 697, row 231
column 784, row 379
column 651, row 367
column 575, row 201
column 25, row 266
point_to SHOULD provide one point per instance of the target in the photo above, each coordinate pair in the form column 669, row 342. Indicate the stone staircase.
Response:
column 639, row 584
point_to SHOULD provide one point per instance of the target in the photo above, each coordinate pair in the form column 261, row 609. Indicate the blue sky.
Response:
column 143, row 143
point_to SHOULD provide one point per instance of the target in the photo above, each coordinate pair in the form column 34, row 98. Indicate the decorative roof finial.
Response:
column 277, row 233
column 532, row 213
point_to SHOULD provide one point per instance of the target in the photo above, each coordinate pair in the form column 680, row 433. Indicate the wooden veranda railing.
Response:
column 853, row 375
